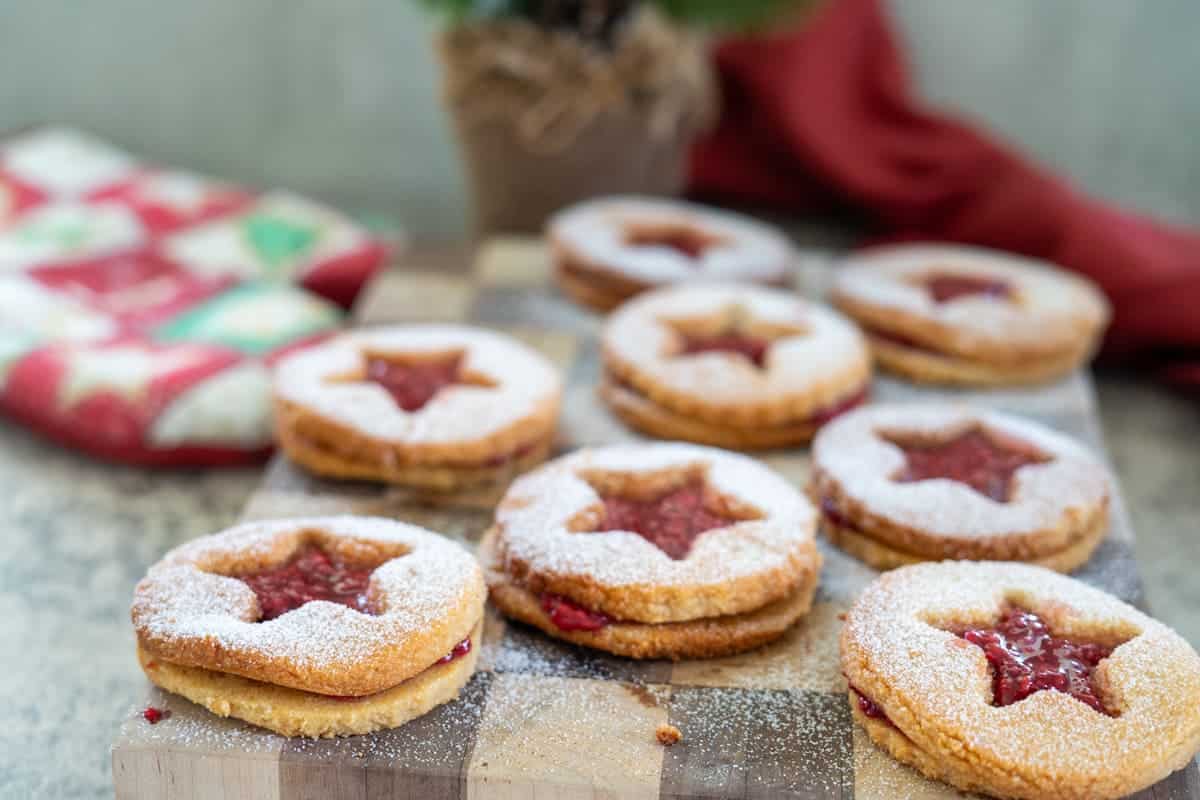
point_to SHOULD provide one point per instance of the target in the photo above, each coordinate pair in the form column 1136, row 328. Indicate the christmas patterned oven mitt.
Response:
column 141, row 308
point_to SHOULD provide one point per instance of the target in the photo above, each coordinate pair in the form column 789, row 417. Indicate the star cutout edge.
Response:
column 670, row 508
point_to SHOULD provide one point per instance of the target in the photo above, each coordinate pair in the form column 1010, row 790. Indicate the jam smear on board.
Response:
column 155, row 715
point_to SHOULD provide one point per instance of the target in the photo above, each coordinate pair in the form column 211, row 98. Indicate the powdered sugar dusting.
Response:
column 523, row 381
column 1050, row 302
column 789, row 743
column 852, row 452
column 595, row 231
column 533, row 520
column 935, row 686
column 828, row 346
column 193, row 727
column 180, row 601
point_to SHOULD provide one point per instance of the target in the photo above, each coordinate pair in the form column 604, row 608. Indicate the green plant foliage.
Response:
column 567, row 13
column 736, row 14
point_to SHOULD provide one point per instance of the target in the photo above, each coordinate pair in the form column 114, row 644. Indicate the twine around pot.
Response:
column 545, row 118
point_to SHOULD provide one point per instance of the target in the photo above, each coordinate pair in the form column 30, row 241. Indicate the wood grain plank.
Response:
column 759, row 744
column 566, row 737
column 543, row 718
column 878, row 776
column 1181, row 785
column 424, row 759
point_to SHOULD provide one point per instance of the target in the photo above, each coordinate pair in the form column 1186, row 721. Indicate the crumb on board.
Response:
column 667, row 734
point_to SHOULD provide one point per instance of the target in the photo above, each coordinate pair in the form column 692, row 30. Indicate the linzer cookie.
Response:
column 313, row 627
column 605, row 251
column 960, row 315
column 898, row 484
column 436, row 407
column 654, row 551
column 733, row 366
column 1014, row 681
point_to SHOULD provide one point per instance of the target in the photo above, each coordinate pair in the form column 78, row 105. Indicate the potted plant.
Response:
column 557, row 100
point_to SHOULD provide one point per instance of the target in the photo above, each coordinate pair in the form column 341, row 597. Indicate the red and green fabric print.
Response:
column 141, row 307
column 105, row 398
column 281, row 237
column 135, row 289
column 170, row 200
column 278, row 242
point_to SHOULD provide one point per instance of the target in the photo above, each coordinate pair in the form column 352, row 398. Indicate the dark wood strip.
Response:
column 527, row 651
column 425, row 760
column 750, row 743
column 1181, row 785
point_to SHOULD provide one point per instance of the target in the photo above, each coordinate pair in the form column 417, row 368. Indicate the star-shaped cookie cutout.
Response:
column 414, row 379
column 1026, row 657
column 669, row 508
column 976, row 457
column 683, row 237
column 945, row 286
column 733, row 329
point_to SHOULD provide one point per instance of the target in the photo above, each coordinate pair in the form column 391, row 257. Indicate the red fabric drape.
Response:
column 827, row 115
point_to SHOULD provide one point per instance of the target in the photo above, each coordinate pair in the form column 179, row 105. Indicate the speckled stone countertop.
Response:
column 78, row 535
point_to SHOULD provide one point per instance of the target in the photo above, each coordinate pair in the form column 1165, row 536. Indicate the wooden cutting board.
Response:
column 544, row 719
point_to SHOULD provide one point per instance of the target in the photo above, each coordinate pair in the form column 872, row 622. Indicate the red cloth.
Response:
column 142, row 308
column 826, row 115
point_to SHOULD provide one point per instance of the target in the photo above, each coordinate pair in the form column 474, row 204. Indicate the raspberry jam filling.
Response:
column 413, row 384
column 945, row 287
column 824, row 415
column 868, row 707
column 311, row 574
column 830, row 510
column 683, row 239
column 752, row 348
column 458, row 651
column 1026, row 658
column 570, row 616
column 901, row 340
column 501, row 459
column 671, row 522
column 973, row 458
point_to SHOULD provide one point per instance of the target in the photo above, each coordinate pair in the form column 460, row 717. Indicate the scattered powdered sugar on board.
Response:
column 526, row 651
column 191, row 727
column 744, row 737
column 436, row 742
